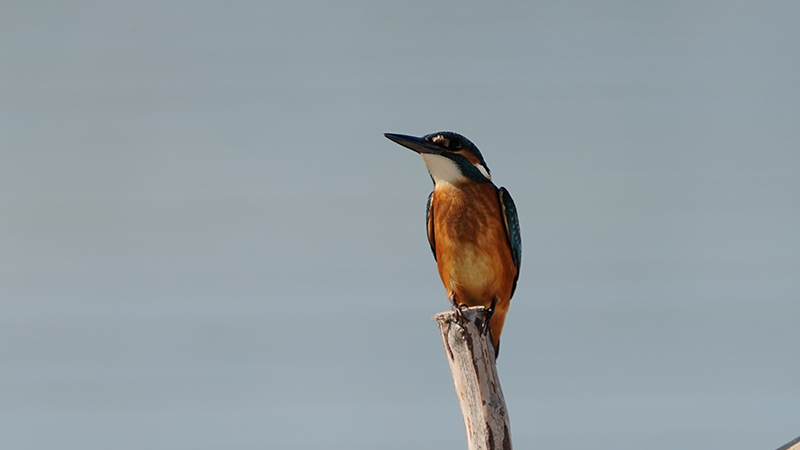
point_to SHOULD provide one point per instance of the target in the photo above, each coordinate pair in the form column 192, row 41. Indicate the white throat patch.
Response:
column 443, row 170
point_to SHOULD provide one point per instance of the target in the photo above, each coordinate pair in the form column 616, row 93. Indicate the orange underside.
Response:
column 472, row 250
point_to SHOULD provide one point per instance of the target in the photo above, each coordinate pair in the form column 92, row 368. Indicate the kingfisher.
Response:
column 473, row 228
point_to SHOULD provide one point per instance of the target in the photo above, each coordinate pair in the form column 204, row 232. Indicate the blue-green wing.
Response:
column 429, row 223
column 512, row 230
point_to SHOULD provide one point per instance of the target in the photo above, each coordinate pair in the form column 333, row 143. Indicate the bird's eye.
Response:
column 450, row 144
column 441, row 141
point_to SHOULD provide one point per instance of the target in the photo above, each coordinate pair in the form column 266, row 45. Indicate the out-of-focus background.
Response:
column 207, row 243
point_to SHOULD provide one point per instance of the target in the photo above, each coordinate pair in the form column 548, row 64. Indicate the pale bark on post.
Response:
column 794, row 445
column 472, row 363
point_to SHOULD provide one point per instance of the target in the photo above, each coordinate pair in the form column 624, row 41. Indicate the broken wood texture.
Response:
column 472, row 363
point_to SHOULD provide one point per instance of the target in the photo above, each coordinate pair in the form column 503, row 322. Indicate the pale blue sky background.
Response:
column 206, row 242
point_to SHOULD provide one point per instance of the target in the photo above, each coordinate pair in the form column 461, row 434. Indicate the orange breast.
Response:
column 472, row 250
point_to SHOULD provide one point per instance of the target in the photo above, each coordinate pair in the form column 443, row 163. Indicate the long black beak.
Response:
column 419, row 145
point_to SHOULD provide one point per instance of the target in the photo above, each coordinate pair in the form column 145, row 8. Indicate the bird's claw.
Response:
column 488, row 313
column 457, row 310
column 456, row 306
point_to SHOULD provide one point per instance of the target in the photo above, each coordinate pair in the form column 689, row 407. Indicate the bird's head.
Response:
column 449, row 157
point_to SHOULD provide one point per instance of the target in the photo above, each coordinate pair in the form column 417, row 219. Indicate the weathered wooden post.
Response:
column 794, row 445
column 472, row 363
column 471, row 356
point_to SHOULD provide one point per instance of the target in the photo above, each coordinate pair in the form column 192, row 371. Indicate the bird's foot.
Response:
column 457, row 307
column 457, row 310
column 487, row 315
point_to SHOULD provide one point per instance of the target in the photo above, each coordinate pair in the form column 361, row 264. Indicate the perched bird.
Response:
column 473, row 227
